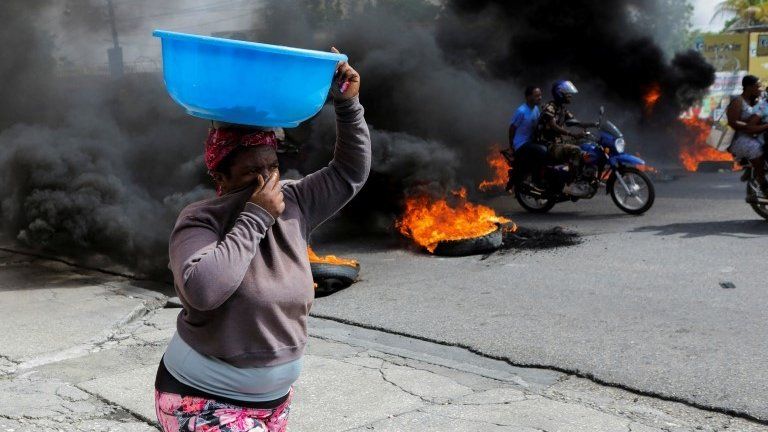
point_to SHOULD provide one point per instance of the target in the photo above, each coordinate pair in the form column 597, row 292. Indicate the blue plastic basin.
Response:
column 245, row 82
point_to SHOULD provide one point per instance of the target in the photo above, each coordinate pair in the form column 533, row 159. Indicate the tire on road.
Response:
column 333, row 277
column 470, row 246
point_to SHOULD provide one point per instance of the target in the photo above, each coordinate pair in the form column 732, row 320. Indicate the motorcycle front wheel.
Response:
column 638, row 195
column 532, row 203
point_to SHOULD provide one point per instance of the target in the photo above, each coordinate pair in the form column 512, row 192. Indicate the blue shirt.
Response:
column 524, row 120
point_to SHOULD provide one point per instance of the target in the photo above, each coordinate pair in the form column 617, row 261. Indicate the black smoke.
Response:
column 432, row 121
column 608, row 44
column 98, row 168
column 90, row 167
column 450, row 75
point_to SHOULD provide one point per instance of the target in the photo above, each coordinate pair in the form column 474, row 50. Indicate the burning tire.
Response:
column 332, row 273
column 333, row 277
column 639, row 195
column 451, row 226
column 470, row 246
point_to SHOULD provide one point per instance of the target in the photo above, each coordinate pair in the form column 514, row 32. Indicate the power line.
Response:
column 114, row 54
column 211, row 22
column 111, row 10
column 240, row 12
column 188, row 11
column 179, row 12
column 178, row 27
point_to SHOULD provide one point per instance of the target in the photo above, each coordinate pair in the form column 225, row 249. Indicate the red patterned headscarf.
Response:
column 221, row 142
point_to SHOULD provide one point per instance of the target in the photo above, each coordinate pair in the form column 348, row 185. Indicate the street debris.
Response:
column 531, row 238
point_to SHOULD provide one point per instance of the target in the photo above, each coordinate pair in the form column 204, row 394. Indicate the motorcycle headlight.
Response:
column 619, row 143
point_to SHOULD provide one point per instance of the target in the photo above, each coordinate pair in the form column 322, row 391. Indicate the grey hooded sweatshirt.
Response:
column 242, row 276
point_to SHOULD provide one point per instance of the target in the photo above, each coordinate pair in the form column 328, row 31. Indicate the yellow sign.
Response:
column 726, row 52
column 758, row 55
column 760, row 40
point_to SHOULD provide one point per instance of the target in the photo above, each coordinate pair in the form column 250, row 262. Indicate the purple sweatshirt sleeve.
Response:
column 323, row 193
column 208, row 270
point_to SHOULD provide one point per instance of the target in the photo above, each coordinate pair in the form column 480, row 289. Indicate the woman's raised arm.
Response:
column 207, row 270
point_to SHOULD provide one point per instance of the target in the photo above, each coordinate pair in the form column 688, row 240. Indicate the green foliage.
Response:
column 742, row 12
column 731, row 23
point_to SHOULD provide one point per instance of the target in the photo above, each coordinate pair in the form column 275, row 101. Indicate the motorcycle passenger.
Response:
column 529, row 156
column 559, row 140
column 746, row 142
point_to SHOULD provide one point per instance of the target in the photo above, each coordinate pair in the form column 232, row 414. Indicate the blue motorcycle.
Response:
column 605, row 164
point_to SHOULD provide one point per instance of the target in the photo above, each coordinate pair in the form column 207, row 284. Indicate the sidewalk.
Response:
column 79, row 349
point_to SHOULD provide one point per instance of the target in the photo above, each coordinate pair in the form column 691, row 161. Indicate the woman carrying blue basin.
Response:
column 241, row 270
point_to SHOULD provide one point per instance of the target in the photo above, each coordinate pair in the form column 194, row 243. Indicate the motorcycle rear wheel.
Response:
column 531, row 203
column 636, row 178
column 759, row 208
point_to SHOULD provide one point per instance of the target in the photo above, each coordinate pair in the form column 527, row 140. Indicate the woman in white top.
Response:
column 743, row 118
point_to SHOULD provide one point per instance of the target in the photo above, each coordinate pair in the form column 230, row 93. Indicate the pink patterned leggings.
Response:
column 195, row 414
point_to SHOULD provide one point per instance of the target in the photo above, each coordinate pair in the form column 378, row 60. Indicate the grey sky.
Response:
column 702, row 14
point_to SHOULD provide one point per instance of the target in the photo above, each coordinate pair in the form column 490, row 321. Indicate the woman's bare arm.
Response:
column 734, row 119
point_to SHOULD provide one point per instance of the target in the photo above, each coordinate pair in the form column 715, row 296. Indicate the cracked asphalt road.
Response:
column 638, row 304
column 79, row 350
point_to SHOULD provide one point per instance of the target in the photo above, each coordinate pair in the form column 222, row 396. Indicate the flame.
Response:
column 651, row 97
column 697, row 150
column 499, row 166
column 429, row 221
column 329, row 259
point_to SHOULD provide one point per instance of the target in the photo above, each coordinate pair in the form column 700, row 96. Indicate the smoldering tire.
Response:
column 470, row 246
column 331, row 278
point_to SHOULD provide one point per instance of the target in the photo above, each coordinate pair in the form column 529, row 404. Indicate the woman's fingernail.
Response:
column 344, row 86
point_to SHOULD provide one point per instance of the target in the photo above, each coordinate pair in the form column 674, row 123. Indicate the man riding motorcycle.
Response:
column 525, row 155
column 552, row 131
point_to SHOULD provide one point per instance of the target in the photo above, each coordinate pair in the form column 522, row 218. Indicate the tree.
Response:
column 742, row 13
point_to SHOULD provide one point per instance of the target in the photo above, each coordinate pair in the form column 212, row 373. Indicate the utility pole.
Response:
column 112, row 23
column 114, row 54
